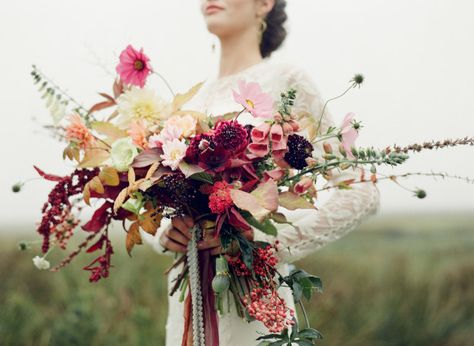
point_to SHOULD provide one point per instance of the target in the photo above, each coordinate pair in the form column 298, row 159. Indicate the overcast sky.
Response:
column 417, row 56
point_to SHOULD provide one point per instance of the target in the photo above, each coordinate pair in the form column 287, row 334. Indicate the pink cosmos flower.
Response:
column 134, row 67
column 349, row 134
column 255, row 101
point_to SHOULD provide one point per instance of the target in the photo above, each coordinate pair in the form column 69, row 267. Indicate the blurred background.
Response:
column 405, row 277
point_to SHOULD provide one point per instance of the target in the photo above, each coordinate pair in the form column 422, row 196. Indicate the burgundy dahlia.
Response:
column 195, row 147
column 216, row 158
column 298, row 150
column 231, row 135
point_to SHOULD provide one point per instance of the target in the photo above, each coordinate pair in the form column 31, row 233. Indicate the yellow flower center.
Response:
column 250, row 103
column 144, row 111
column 175, row 154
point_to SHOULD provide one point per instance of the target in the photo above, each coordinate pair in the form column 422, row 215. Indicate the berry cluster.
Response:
column 264, row 262
column 103, row 263
column 219, row 199
column 58, row 206
column 266, row 306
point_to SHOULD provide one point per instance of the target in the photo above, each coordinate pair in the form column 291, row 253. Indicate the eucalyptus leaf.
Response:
column 203, row 177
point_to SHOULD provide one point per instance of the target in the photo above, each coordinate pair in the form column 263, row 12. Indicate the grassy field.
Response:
column 396, row 281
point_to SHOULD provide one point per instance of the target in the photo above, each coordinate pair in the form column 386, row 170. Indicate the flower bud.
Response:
column 420, row 193
column 342, row 151
column 22, row 246
column 327, row 148
column 373, row 169
column 17, row 187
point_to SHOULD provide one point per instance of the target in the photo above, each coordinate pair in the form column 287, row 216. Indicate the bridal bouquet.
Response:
column 147, row 159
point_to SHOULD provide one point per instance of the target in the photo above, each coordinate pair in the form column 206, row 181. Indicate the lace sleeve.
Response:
column 343, row 211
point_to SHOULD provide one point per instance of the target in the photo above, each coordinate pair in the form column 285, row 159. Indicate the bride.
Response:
column 249, row 32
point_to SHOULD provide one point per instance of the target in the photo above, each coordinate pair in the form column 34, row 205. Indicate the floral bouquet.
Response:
column 149, row 159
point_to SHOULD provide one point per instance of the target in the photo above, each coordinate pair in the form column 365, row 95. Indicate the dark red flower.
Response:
column 298, row 150
column 196, row 147
column 219, row 199
column 217, row 158
column 231, row 135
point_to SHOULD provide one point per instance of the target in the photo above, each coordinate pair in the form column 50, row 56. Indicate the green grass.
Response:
column 397, row 281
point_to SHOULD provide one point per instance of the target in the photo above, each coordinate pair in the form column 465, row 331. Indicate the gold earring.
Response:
column 262, row 29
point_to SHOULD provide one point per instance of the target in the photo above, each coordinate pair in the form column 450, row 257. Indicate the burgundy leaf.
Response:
column 147, row 158
column 237, row 220
column 100, row 218
column 97, row 246
column 49, row 177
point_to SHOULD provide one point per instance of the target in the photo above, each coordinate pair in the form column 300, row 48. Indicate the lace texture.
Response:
column 312, row 229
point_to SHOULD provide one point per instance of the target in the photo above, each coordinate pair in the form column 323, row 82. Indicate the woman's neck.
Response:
column 239, row 52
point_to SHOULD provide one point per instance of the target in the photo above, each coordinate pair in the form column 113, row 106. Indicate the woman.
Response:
column 249, row 32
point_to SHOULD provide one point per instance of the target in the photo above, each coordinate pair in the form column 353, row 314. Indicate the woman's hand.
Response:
column 176, row 237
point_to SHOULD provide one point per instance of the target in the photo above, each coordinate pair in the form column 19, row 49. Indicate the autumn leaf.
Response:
column 120, row 199
column 292, row 201
column 109, row 176
column 100, row 106
column 46, row 176
column 86, row 194
column 94, row 158
column 133, row 237
column 147, row 157
column 108, row 129
column 96, row 185
column 180, row 99
column 262, row 201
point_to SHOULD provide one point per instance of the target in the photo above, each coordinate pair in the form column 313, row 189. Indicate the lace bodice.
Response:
column 311, row 229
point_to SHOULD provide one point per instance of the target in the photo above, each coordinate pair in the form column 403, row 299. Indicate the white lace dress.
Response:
column 341, row 213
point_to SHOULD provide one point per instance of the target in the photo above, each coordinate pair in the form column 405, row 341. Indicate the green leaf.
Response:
column 303, row 342
column 203, row 177
column 297, row 291
column 264, row 343
column 265, row 226
column 247, row 251
column 316, row 283
column 310, row 333
column 269, row 336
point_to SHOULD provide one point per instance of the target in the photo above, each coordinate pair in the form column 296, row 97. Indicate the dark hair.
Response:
column 275, row 33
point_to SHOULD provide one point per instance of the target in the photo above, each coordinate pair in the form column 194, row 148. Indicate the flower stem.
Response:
column 166, row 83
column 304, row 314
column 326, row 103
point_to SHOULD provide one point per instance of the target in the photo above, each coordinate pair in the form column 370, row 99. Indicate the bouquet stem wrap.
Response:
column 200, row 309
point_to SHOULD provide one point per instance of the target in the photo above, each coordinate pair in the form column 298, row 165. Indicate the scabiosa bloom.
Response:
column 255, row 101
column 298, row 150
column 134, row 67
column 219, row 199
column 78, row 132
column 231, row 135
column 173, row 152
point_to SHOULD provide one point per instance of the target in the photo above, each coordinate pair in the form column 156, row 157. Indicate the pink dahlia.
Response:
column 231, row 135
column 134, row 67
column 255, row 101
column 78, row 132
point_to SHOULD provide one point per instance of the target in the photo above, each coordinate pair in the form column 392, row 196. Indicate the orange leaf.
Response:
column 101, row 105
column 96, row 185
column 133, row 237
column 118, row 88
column 120, row 199
column 109, row 130
column 131, row 176
column 150, row 221
column 86, row 194
column 94, row 157
column 108, row 97
column 152, row 170
column 109, row 176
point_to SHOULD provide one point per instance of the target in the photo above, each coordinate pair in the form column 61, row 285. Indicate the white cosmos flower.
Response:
column 141, row 104
column 173, row 152
column 41, row 263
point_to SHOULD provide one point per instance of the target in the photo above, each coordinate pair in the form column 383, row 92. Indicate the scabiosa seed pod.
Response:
column 420, row 193
column 298, row 150
column 221, row 281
